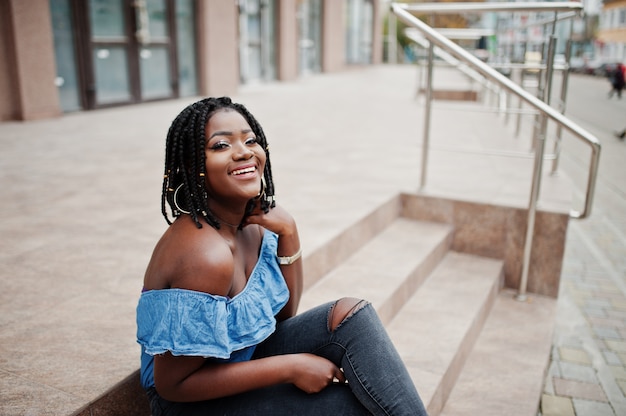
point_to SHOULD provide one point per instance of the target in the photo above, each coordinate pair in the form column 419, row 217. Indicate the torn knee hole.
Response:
column 343, row 309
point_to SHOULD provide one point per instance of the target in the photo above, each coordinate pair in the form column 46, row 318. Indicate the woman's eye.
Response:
column 219, row 146
column 252, row 140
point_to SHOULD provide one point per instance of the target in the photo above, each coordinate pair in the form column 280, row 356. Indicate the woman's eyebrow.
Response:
column 228, row 133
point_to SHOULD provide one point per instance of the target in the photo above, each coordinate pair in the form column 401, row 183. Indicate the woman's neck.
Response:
column 227, row 217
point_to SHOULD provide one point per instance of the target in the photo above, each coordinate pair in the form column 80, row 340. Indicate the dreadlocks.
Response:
column 185, row 171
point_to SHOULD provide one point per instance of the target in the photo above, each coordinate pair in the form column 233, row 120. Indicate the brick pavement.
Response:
column 587, row 375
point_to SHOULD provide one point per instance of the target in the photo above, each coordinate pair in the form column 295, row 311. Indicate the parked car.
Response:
column 577, row 64
column 592, row 66
column 605, row 69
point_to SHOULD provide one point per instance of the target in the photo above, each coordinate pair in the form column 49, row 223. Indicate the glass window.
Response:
column 154, row 72
column 107, row 18
column 66, row 75
column 157, row 18
column 111, row 73
column 186, row 48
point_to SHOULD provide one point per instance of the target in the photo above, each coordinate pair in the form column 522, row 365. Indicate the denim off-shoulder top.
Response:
column 192, row 323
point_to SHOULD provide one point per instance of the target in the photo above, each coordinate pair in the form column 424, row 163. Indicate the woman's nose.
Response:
column 242, row 152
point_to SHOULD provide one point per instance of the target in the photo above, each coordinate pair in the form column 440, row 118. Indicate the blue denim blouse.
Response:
column 192, row 323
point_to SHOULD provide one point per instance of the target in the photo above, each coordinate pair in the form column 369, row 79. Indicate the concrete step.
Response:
column 504, row 373
column 436, row 329
column 388, row 269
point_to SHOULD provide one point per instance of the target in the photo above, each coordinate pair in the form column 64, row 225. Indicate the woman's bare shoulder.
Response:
column 188, row 257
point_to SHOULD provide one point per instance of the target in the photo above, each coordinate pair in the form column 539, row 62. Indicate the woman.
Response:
column 226, row 270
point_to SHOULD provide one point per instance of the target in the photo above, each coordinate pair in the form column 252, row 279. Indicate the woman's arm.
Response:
column 185, row 379
column 279, row 221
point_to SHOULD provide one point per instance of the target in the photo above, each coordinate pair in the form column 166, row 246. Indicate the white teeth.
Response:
column 242, row 171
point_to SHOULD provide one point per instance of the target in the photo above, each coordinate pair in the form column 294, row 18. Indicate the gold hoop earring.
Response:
column 176, row 200
column 261, row 194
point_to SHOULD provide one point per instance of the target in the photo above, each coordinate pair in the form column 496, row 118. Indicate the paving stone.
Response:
column 619, row 372
column 612, row 358
column 603, row 332
column 599, row 303
column 556, row 406
column 617, row 314
column 591, row 408
column 607, row 322
column 574, row 355
column 577, row 389
column 593, row 311
column 622, row 385
column 578, row 372
column 616, row 346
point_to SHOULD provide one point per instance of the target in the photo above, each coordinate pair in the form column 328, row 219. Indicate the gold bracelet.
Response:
column 287, row 260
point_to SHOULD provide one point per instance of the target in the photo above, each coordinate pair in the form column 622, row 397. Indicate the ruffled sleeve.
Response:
column 187, row 322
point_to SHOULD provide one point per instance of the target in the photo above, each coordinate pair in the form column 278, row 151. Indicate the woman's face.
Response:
column 235, row 161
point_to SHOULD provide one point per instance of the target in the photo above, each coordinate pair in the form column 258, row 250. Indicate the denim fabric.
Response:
column 191, row 323
column 378, row 382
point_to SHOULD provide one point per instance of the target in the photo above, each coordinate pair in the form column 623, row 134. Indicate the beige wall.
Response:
column 28, row 71
column 333, row 36
column 8, row 92
column 218, row 35
column 287, row 40
column 377, row 37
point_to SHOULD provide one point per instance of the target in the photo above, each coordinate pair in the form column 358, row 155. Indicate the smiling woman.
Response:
column 217, row 320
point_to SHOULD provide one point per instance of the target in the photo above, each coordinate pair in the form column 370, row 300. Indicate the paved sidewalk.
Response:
column 80, row 215
column 588, row 370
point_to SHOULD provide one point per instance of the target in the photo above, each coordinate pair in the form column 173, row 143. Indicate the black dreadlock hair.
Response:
column 185, row 171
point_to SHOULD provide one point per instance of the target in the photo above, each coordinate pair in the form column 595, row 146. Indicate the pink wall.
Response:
column 28, row 71
column 333, row 36
column 217, row 47
column 287, row 48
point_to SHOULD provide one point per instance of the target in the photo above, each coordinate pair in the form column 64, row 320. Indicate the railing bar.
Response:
column 562, row 105
column 487, row 110
column 488, row 152
column 492, row 74
column 429, row 99
column 444, row 8
column 546, row 111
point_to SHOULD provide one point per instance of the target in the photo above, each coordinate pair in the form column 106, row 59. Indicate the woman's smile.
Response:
column 233, row 150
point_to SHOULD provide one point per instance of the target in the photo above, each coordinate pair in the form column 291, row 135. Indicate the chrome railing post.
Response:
column 562, row 106
column 539, row 146
column 532, row 211
column 392, row 39
column 518, row 123
column 427, row 108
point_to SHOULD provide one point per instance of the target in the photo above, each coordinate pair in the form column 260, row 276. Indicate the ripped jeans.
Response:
column 378, row 382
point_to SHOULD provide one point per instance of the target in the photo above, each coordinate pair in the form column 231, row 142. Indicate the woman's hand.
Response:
column 277, row 220
column 313, row 373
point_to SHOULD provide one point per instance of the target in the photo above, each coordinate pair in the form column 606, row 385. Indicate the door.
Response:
column 256, row 40
column 129, row 52
column 359, row 31
column 309, row 36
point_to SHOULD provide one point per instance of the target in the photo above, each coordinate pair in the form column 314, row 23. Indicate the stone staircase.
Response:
column 470, row 347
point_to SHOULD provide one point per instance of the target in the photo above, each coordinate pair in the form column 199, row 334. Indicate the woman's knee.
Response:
column 343, row 309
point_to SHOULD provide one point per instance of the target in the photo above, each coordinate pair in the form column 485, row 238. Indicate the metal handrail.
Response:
column 445, row 8
column 402, row 11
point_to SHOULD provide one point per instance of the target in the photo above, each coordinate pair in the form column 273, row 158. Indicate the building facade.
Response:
column 75, row 55
column 611, row 35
